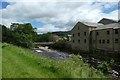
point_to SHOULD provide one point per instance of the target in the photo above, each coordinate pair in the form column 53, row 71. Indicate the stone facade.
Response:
column 97, row 36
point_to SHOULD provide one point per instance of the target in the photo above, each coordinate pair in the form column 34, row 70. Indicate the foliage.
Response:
column 0, row 60
column 19, row 34
column 7, row 35
column 24, row 40
column 106, row 67
column 24, row 29
column 23, row 63
column 61, row 45
column 43, row 37
column 61, row 33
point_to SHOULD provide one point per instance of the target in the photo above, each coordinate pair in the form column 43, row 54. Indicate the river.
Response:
column 57, row 55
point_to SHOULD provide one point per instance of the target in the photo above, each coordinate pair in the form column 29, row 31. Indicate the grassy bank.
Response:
column 0, row 60
column 23, row 63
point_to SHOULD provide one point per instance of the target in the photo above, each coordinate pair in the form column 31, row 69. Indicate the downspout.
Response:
column 113, row 38
column 118, row 39
column 95, row 40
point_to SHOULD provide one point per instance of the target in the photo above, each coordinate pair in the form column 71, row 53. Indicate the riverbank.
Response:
column 54, row 54
column 95, row 59
column 24, row 63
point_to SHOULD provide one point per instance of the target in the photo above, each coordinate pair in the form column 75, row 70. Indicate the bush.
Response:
column 61, row 45
column 19, row 34
column 106, row 67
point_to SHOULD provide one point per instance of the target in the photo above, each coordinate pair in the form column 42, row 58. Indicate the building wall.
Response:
column 102, row 40
column 54, row 38
column 80, row 37
column 119, row 38
column 116, row 40
column 95, row 39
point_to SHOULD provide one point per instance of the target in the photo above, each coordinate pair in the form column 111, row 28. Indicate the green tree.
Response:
column 7, row 35
column 43, row 37
column 19, row 34
column 24, row 34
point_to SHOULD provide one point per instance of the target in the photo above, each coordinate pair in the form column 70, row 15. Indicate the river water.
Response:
column 57, row 55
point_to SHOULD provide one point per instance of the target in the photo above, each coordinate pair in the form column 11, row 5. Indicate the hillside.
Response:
column 24, row 63
column 0, row 60
column 61, row 33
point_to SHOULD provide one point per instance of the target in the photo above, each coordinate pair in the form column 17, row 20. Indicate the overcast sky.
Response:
column 49, row 16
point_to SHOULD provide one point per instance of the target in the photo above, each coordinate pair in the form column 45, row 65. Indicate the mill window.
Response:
column 78, row 34
column 116, row 31
column 78, row 41
column 73, row 35
column 100, row 41
column 73, row 41
column 97, row 33
column 84, row 33
column 108, row 41
column 108, row 32
column 116, row 40
column 103, row 41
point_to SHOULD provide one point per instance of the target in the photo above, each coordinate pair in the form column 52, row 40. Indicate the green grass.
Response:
column 24, row 63
column 0, row 60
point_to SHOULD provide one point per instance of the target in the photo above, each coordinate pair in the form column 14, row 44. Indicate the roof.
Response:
column 107, row 21
column 113, row 26
column 92, row 24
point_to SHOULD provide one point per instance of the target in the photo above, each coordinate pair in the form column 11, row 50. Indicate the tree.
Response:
column 19, row 34
column 24, row 40
column 43, row 37
column 24, row 29
column 24, row 34
column 7, row 35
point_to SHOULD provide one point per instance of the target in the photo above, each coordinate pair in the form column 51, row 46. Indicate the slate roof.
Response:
column 113, row 26
column 92, row 24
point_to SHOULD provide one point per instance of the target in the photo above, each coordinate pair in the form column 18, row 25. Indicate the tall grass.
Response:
column 24, row 63
column 0, row 60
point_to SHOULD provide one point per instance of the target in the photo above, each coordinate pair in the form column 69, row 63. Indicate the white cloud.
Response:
column 49, row 28
column 56, row 15
column 61, row 0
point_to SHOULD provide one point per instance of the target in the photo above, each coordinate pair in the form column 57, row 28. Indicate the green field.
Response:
column 0, row 60
column 24, row 63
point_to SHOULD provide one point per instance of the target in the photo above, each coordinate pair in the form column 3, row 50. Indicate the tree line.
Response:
column 19, row 34
column 23, row 35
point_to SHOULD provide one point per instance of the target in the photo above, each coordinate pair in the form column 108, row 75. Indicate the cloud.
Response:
column 56, row 16
column 49, row 28
column 61, row 0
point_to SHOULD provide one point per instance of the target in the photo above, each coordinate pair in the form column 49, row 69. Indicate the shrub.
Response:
column 106, row 67
column 61, row 45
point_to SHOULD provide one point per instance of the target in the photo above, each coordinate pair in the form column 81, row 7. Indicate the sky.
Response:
column 62, row 15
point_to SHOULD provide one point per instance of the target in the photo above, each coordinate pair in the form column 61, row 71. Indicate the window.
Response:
column 103, row 41
column 78, row 41
column 108, row 41
column 100, row 41
column 85, row 33
column 108, row 32
column 116, row 31
column 116, row 40
column 73, row 35
column 78, row 34
column 73, row 41
column 97, row 33
column 84, row 40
